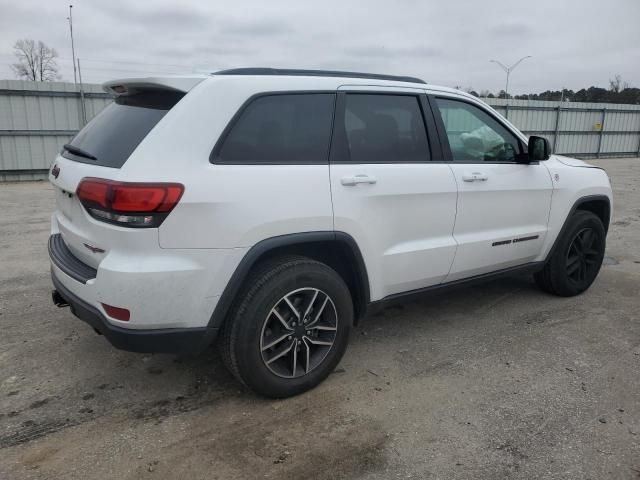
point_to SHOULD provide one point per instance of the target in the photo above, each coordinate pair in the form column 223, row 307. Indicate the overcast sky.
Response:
column 574, row 43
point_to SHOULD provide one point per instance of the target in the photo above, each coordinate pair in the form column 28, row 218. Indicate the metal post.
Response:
column 73, row 50
column 82, row 105
column 557, row 129
column 506, row 110
column 506, row 88
column 604, row 115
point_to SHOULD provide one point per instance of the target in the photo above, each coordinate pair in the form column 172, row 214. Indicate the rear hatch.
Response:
column 88, row 226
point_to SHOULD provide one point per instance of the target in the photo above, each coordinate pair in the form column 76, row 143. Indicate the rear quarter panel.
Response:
column 228, row 206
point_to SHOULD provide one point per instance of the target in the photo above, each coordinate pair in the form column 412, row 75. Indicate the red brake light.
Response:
column 129, row 204
column 95, row 192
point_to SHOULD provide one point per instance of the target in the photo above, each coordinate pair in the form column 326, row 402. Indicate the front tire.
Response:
column 290, row 327
column 577, row 259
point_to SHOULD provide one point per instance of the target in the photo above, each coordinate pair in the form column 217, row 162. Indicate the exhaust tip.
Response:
column 58, row 300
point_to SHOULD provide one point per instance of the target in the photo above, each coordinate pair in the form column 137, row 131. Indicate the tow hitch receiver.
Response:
column 58, row 301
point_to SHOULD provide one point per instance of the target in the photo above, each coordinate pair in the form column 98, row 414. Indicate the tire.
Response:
column 263, row 325
column 577, row 258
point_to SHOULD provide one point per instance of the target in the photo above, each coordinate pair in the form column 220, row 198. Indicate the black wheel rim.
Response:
column 298, row 332
column 584, row 256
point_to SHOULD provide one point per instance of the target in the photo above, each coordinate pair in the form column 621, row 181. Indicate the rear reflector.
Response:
column 117, row 312
column 129, row 204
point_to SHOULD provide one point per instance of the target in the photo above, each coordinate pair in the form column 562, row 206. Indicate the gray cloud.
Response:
column 381, row 51
column 253, row 28
column 171, row 16
column 512, row 29
column 450, row 43
column 208, row 50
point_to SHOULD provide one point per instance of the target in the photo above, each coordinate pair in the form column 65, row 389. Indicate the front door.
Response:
column 388, row 193
column 503, row 204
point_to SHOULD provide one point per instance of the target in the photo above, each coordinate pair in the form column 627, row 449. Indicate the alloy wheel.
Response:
column 583, row 255
column 298, row 332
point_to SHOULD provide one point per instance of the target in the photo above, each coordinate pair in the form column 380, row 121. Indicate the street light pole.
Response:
column 508, row 70
column 73, row 50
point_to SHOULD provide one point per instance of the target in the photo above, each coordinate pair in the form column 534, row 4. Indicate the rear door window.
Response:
column 385, row 129
column 280, row 129
column 113, row 135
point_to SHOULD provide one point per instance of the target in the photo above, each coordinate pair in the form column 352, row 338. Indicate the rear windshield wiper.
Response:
column 78, row 151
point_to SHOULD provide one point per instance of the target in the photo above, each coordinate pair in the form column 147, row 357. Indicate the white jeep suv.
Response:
column 272, row 209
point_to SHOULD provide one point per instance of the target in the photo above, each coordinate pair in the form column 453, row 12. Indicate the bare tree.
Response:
column 616, row 84
column 36, row 61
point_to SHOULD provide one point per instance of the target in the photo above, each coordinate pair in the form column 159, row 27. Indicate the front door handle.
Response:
column 356, row 179
column 475, row 177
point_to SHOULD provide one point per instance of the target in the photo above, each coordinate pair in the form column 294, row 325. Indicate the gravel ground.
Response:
column 491, row 381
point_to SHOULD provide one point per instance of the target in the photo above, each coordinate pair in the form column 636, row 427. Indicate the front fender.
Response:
column 573, row 186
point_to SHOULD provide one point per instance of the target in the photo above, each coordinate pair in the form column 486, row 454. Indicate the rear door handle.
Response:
column 356, row 179
column 475, row 177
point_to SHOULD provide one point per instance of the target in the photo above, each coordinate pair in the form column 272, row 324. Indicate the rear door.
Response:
column 388, row 193
column 503, row 204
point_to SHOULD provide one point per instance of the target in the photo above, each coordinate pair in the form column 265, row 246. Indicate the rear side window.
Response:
column 385, row 129
column 113, row 135
column 277, row 129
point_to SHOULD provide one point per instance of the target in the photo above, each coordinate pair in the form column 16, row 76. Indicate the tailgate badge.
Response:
column 55, row 171
column 93, row 248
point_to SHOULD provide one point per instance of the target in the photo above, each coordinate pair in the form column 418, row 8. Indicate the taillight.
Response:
column 140, row 205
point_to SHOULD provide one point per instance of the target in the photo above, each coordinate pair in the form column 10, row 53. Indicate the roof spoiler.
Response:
column 129, row 86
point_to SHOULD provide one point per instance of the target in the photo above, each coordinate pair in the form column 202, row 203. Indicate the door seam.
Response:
column 455, row 221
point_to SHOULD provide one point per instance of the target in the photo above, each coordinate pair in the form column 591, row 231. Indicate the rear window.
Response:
column 115, row 132
column 385, row 129
column 279, row 129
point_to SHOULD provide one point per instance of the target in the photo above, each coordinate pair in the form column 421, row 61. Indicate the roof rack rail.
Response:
column 315, row 73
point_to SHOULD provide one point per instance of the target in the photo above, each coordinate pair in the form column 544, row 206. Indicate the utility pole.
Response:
column 508, row 70
column 82, row 112
column 82, row 104
column 73, row 50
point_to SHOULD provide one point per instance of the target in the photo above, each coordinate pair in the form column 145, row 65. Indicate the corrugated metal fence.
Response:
column 584, row 130
column 37, row 118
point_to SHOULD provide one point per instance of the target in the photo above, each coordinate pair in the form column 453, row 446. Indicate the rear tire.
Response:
column 577, row 259
column 290, row 327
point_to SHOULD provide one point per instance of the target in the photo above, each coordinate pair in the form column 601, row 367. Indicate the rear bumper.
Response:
column 62, row 257
column 168, row 340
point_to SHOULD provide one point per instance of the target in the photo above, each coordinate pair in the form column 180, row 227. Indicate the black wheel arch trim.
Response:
column 576, row 205
column 255, row 253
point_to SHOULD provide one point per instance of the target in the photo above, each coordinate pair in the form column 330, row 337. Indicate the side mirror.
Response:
column 538, row 149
